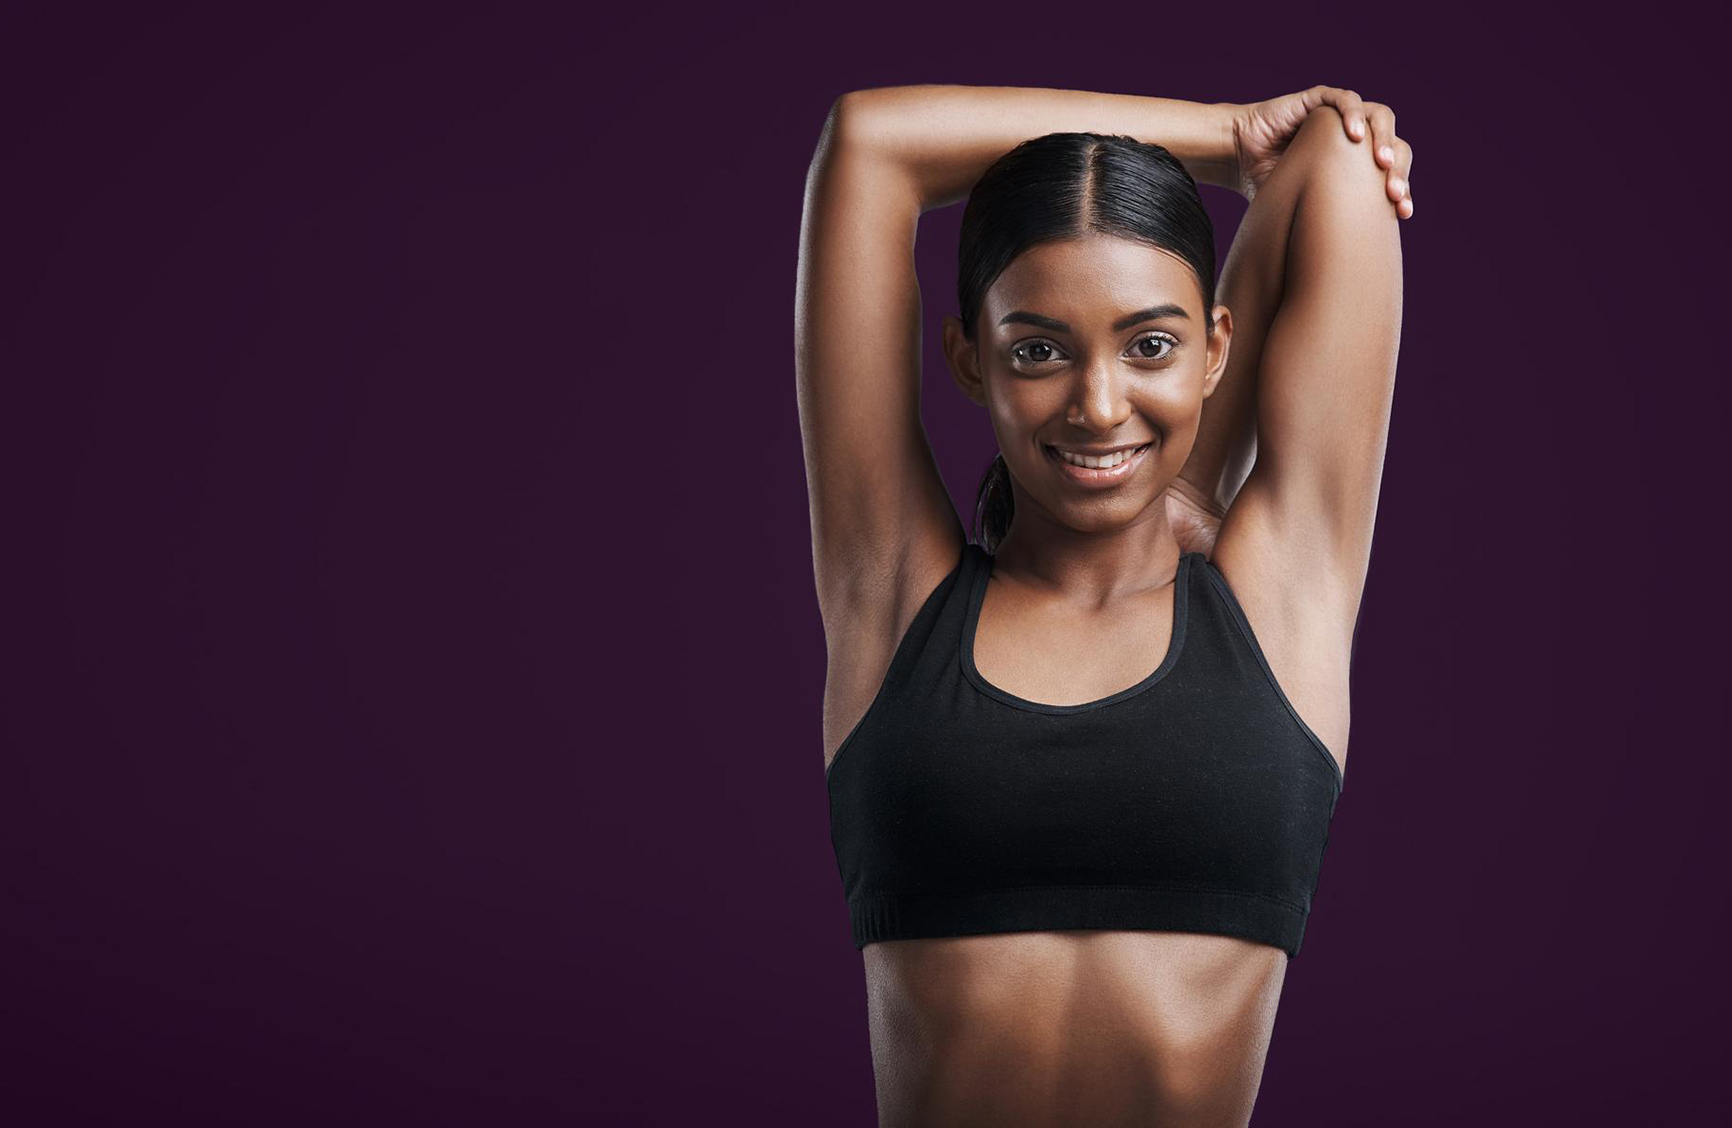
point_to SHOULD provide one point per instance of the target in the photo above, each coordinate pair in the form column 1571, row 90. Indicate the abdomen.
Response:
column 1069, row 1027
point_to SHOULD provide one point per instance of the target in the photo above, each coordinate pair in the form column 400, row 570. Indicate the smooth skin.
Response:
column 1277, row 479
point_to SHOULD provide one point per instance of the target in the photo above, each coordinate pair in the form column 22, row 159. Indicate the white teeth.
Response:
column 1104, row 462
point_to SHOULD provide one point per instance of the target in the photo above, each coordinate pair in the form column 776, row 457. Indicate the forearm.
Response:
column 944, row 137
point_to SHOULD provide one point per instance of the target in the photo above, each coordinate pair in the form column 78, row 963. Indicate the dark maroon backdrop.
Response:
column 413, row 669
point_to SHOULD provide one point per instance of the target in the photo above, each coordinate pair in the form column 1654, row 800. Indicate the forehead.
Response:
column 1094, row 278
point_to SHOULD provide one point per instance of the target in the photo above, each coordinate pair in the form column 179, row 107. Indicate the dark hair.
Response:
column 1062, row 186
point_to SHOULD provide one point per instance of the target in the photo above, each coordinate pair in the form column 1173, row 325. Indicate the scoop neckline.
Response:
column 977, row 598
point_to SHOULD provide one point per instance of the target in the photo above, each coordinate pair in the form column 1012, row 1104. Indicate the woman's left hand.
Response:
column 1195, row 521
column 1262, row 130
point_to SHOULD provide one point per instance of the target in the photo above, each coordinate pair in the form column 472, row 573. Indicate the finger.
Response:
column 1346, row 102
column 1321, row 95
column 1404, row 158
column 1352, row 109
column 1382, row 133
column 1383, row 150
column 1400, row 183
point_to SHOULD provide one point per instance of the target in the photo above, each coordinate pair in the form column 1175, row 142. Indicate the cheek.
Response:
column 1174, row 404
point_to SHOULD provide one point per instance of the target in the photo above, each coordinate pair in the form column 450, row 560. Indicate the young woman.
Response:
column 1081, row 769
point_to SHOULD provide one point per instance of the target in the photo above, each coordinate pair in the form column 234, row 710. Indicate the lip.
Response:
column 1098, row 452
column 1084, row 476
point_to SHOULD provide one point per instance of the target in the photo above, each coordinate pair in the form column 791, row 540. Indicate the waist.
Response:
column 1087, row 1026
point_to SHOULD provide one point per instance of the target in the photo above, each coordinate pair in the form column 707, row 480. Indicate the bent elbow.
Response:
column 1340, row 167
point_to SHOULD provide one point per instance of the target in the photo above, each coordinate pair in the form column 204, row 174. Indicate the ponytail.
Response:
column 994, row 506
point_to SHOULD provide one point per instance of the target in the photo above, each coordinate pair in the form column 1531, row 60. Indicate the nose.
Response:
column 1098, row 402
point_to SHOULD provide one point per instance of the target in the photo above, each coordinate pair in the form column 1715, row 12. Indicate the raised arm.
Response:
column 1328, row 266
column 1251, row 282
column 936, row 140
column 945, row 136
column 881, row 517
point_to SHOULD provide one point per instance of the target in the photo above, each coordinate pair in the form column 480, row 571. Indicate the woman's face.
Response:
column 1086, row 345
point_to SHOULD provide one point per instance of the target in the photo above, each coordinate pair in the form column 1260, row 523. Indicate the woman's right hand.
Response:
column 1262, row 130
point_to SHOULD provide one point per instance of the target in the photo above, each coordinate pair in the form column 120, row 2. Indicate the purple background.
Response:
column 413, row 672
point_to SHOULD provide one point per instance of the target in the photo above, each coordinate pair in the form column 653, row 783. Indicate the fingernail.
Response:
column 1400, row 186
column 1386, row 153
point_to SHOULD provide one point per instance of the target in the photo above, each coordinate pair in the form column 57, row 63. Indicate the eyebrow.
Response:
column 1167, row 309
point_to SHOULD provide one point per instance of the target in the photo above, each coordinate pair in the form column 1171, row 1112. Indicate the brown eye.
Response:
column 1030, row 347
column 1155, row 339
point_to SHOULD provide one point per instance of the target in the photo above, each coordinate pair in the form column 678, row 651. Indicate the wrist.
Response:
column 1219, row 165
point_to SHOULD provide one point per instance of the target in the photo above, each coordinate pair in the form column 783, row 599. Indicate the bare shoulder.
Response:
column 1301, row 599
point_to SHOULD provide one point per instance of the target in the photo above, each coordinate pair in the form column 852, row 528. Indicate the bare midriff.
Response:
column 1102, row 1028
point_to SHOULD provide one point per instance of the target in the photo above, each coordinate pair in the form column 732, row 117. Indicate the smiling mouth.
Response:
column 1097, row 462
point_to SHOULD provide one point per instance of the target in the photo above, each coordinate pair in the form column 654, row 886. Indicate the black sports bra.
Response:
column 1196, row 800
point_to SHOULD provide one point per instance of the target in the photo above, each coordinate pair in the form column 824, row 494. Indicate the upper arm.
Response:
column 882, row 521
column 1327, row 375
